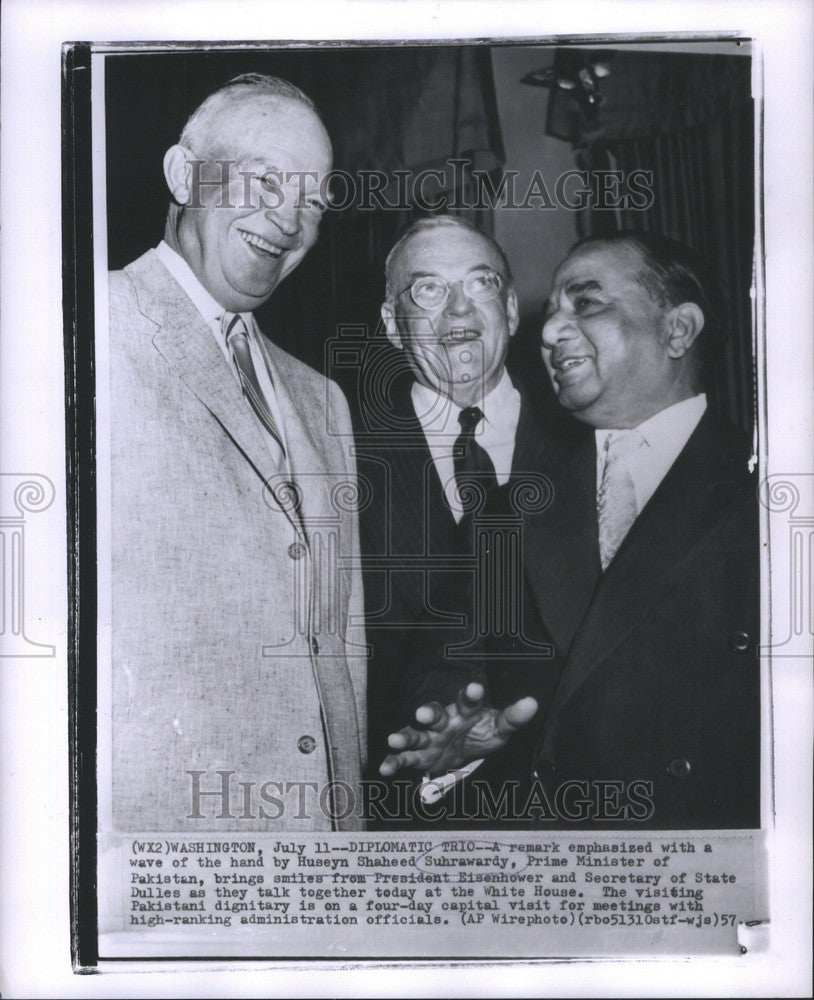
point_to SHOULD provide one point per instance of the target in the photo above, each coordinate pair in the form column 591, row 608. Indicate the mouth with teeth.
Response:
column 262, row 248
column 563, row 367
column 459, row 335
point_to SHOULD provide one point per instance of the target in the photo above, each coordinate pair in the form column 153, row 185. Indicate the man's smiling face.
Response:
column 458, row 348
column 604, row 339
column 242, row 246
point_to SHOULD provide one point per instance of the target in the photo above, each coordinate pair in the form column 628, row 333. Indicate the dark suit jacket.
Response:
column 655, row 678
column 420, row 567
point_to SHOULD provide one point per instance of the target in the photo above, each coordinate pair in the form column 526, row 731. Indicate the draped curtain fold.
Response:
column 395, row 109
column 689, row 120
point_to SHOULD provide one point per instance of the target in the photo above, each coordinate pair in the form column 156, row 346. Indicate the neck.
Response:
column 171, row 229
column 466, row 394
column 624, row 411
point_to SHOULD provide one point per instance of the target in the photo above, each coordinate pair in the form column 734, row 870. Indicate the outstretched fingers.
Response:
column 432, row 716
column 398, row 761
column 515, row 716
column 408, row 739
column 470, row 700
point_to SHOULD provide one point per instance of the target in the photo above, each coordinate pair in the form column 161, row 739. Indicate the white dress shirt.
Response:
column 495, row 433
column 663, row 437
column 211, row 311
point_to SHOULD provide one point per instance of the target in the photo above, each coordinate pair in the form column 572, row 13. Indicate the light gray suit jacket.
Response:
column 233, row 644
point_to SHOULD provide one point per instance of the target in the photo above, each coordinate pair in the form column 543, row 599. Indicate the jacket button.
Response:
column 314, row 645
column 296, row 550
column 679, row 767
column 544, row 769
column 306, row 744
column 739, row 642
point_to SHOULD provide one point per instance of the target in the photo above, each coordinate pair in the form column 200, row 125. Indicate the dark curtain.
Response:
column 410, row 110
column 688, row 119
column 386, row 108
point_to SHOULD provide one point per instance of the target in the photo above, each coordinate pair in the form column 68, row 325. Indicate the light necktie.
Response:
column 616, row 498
column 471, row 462
column 237, row 340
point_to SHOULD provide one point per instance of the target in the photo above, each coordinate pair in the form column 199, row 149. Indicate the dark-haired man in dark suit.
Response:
column 643, row 571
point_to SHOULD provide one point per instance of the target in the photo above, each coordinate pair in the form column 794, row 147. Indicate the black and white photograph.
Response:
column 449, row 547
column 436, row 582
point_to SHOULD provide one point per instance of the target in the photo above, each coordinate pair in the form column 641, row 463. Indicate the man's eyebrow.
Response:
column 422, row 274
column 590, row 285
column 435, row 274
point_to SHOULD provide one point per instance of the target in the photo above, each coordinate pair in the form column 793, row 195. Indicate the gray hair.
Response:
column 439, row 222
column 201, row 126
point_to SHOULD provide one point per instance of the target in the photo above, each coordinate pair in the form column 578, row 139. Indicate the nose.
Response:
column 556, row 328
column 286, row 215
column 457, row 303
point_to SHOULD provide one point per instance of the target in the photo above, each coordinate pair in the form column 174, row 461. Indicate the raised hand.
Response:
column 450, row 737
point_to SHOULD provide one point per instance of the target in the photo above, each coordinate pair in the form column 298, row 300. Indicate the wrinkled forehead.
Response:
column 609, row 265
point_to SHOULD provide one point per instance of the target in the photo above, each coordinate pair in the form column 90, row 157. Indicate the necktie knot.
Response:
column 469, row 418
column 619, row 445
column 233, row 326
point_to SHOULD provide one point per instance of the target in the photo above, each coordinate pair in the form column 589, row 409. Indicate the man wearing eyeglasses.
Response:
column 458, row 430
column 238, row 686
column 643, row 572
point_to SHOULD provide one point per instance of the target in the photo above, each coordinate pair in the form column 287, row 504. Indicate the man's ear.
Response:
column 512, row 312
column 390, row 325
column 686, row 322
column 178, row 173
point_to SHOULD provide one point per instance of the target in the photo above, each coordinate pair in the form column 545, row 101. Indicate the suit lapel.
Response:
column 414, row 521
column 533, row 451
column 306, row 450
column 188, row 346
column 683, row 512
column 562, row 550
column 421, row 521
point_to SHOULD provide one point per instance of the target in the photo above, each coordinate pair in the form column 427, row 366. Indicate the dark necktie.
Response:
column 472, row 462
column 237, row 340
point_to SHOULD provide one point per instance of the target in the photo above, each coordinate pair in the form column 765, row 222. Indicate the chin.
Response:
column 574, row 402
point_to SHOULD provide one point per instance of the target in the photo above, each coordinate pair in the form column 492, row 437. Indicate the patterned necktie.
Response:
column 237, row 340
column 616, row 498
column 471, row 462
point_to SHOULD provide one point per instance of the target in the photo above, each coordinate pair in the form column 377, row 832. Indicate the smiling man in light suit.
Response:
column 238, row 677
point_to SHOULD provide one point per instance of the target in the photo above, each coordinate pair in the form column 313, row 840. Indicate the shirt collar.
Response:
column 674, row 424
column 210, row 309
